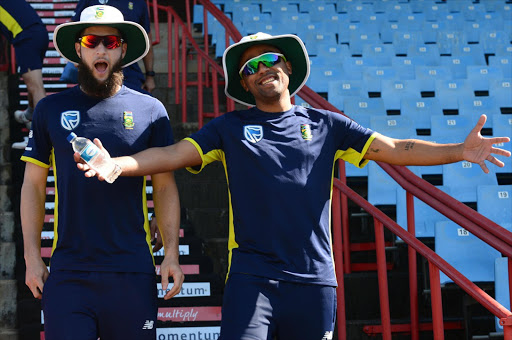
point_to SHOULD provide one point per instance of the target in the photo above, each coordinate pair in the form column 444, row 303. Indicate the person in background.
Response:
column 102, row 281
column 279, row 161
column 24, row 29
column 136, row 11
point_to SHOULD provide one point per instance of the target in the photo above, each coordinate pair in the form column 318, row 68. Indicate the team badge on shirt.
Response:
column 128, row 120
column 253, row 133
column 305, row 131
column 70, row 119
column 103, row 2
column 130, row 6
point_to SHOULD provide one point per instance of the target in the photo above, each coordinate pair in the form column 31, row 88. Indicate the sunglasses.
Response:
column 268, row 59
column 109, row 41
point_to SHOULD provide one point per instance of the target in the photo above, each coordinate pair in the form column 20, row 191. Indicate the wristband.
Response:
column 150, row 73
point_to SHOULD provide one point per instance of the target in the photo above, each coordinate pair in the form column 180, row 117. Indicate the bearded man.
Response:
column 102, row 281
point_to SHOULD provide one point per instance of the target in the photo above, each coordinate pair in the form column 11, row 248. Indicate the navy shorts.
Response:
column 86, row 305
column 257, row 308
column 30, row 47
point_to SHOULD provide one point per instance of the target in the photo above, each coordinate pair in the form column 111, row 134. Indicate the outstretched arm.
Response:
column 150, row 161
column 475, row 149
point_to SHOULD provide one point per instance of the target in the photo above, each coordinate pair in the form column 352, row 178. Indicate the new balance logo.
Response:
column 148, row 324
column 327, row 336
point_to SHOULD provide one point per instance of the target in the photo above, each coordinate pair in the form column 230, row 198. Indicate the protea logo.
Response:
column 253, row 133
column 70, row 119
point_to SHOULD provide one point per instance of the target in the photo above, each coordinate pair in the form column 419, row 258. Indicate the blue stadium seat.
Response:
column 320, row 77
column 504, row 50
column 458, row 126
column 475, row 50
column 339, row 90
column 428, row 75
column 435, row 11
column 346, row 27
column 481, row 76
column 372, row 21
column 393, row 126
column 473, row 31
column 463, row 178
column 501, row 286
column 394, row 91
column 333, row 53
column 403, row 39
column 494, row 202
column 471, row 11
column 382, row 188
column 374, row 75
column 321, row 11
column 458, row 65
column 429, row 52
column 476, row 106
column 358, row 39
column 296, row 22
column 468, row 254
column 380, row 54
column 279, row 8
column 387, row 30
column 453, row 20
column 325, row 60
column 239, row 12
column 256, row 23
column 413, row 21
column 357, row 11
column 490, row 40
column 353, row 67
column 501, row 89
column 501, row 125
column 425, row 217
column 420, row 109
column 450, row 91
column 396, row 11
column 503, row 62
column 447, row 40
column 312, row 39
column 406, row 66
column 363, row 106
column 430, row 30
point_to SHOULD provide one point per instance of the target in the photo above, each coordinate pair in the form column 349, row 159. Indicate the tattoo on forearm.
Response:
column 409, row 145
column 374, row 150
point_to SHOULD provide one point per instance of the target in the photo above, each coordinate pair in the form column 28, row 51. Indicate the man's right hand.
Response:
column 35, row 276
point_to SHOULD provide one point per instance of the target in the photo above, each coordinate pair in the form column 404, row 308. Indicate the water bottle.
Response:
column 96, row 158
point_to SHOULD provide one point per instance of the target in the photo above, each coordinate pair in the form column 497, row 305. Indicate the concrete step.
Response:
column 8, row 334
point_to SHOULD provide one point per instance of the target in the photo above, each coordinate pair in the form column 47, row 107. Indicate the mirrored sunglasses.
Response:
column 109, row 41
column 267, row 59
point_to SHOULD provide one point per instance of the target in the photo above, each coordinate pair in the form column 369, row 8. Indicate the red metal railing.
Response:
column 471, row 220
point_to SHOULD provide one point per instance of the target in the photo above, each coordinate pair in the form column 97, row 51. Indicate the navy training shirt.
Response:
column 15, row 16
column 98, row 226
column 279, row 169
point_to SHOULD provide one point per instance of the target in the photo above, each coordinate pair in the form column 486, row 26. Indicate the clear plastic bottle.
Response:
column 93, row 156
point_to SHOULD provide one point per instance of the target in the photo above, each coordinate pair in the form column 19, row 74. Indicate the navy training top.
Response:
column 98, row 226
column 15, row 16
column 279, row 169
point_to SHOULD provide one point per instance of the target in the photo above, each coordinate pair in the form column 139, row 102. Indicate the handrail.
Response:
column 469, row 287
column 477, row 224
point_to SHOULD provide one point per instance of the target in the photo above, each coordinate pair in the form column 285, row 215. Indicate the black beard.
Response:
column 95, row 88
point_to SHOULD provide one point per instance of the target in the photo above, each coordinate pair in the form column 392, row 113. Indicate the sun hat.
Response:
column 289, row 44
column 65, row 35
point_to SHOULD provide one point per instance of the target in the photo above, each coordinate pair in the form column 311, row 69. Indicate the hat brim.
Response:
column 134, row 35
column 290, row 45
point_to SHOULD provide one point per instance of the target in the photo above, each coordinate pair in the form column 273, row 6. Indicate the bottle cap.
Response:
column 71, row 136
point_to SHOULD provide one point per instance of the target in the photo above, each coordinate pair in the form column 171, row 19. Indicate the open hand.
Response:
column 478, row 149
